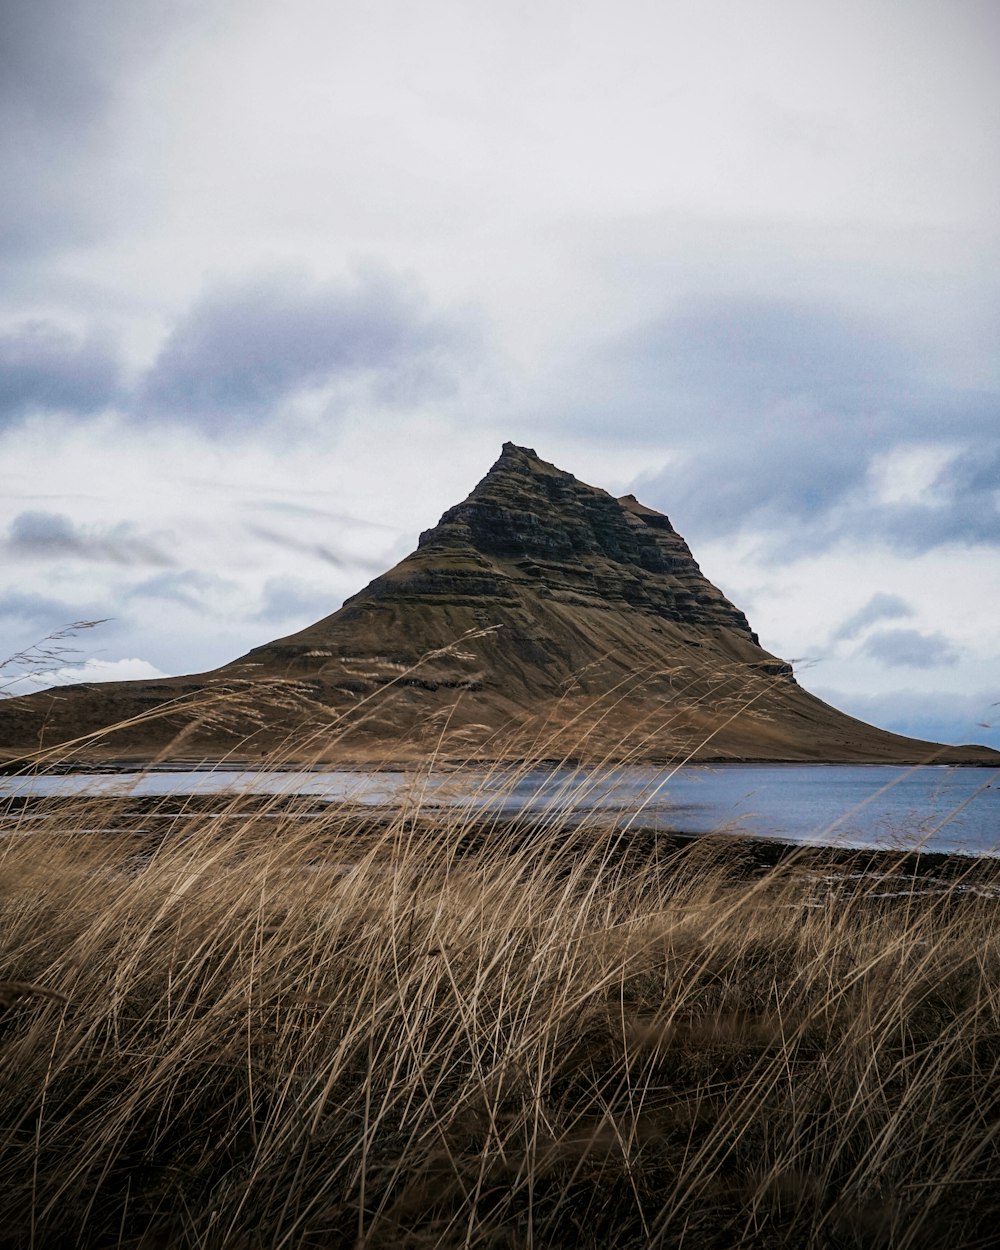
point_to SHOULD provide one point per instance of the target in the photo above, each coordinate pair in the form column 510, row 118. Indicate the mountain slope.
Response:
column 539, row 616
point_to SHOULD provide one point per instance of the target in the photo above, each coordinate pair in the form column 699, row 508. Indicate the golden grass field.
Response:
column 249, row 1024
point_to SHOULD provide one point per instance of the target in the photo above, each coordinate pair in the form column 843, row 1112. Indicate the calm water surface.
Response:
column 936, row 808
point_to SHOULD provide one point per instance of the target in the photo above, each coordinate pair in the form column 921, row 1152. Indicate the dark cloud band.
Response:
column 44, row 368
column 54, row 536
column 246, row 345
column 778, row 414
column 909, row 648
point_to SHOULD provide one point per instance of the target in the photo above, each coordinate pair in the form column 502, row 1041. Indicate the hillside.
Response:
column 540, row 616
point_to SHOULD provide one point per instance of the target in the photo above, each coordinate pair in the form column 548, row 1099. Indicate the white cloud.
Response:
column 909, row 474
column 130, row 669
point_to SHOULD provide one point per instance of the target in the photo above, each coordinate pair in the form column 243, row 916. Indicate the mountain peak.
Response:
column 544, row 526
column 524, row 460
column 515, row 450
column 537, row 610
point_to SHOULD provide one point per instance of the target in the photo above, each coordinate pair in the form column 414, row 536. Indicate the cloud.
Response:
column 65, row 66
column 57, row 58
column 880, row 607
column 247, row 344
column 936, row 716
column 54, row 90
column 39, row 633
column 909, row 648
column 46, row 634
column 322, row 551
column 45, row 368
column 776, row 407
column 762, row 355
column 968, row 519
column 54, row 536
column 291, row 599
column 41, row 610
column 975, row 472
column 191, row 588
column 130, row 669
column 285, row 508
column 778, row 414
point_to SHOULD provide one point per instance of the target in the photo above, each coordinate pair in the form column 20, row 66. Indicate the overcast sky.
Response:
column 278, row 280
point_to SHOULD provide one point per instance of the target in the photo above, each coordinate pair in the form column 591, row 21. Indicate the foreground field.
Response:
column 263, row 1026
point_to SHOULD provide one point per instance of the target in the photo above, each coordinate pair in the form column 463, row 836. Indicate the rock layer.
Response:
column 540, row 616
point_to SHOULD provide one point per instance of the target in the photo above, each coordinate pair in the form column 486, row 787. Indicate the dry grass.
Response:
column 252, row 1027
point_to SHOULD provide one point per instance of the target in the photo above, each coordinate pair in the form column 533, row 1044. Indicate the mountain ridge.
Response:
column 541, row 614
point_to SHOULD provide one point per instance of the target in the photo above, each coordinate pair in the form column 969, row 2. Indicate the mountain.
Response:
column 539, row 617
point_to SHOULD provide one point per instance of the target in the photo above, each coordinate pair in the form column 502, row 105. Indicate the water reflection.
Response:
column 937, row 808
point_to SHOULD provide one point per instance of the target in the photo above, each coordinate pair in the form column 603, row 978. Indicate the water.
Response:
column 935, row 808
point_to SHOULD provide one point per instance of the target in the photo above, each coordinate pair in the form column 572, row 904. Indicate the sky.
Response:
column 276, row 282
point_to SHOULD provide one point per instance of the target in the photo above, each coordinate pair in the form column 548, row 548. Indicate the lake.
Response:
column 934, row 808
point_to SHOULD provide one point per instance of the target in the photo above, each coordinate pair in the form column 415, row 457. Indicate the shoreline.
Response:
column 125, row 765
column 748, row 856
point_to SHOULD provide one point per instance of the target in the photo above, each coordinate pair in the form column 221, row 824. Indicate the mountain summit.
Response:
column 539, row 616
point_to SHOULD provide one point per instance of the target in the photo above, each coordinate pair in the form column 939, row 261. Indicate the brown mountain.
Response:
column 541, row 616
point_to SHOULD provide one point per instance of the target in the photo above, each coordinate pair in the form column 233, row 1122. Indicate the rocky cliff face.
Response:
column 568, row 539
column 539, row 616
